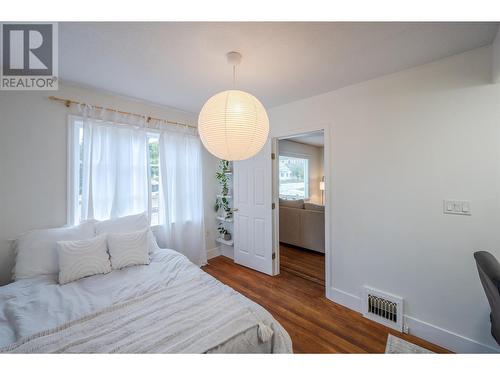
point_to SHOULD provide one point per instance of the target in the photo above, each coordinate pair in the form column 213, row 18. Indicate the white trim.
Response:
column 286, row 134
column 427, row 331
column 345, row 299
column 275, row 191
column 227, row 251
column 224, row 250
column 155, row 136
column 72, row 174
column 212, row 253
column 447, row 339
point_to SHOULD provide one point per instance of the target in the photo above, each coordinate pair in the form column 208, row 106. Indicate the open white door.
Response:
column 253, row 229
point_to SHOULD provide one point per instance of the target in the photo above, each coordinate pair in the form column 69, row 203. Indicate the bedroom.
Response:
column 110, row 174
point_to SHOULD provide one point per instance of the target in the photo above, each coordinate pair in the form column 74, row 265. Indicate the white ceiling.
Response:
column 183, row 64
column 314, row 139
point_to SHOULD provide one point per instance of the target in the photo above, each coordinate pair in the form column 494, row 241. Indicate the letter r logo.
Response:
column 27, row 49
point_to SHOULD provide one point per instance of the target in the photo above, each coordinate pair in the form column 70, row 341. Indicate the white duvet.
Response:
column 37, row 311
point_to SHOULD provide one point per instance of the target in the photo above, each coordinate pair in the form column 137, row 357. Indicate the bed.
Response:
column 168, row 306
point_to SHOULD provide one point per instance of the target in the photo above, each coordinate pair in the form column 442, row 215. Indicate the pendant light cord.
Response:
column 234, row 76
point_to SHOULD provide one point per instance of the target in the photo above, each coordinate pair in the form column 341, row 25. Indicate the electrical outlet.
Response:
column 451, row 207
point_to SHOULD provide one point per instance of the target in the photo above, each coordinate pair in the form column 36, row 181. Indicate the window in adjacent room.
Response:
column 293, row 177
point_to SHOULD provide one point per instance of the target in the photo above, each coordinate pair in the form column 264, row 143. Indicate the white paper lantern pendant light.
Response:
column 233, row 124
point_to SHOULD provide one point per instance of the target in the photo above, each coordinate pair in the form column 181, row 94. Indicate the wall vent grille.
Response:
column 383, row 307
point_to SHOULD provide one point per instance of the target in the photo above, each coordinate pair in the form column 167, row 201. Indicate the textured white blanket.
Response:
column 190, row 312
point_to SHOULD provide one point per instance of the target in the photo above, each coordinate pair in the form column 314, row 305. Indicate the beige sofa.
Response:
column 302, row 224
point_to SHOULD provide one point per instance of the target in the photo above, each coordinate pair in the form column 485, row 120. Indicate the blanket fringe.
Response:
column 265, row 332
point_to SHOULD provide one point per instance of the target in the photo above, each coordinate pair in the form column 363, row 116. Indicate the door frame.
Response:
column 275, row 195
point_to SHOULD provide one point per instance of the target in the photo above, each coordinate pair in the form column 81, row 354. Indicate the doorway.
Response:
column 299, row 192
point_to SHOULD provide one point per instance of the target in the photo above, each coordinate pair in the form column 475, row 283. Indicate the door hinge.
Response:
column 273, row 155
column 274, row 256
column 273, row 206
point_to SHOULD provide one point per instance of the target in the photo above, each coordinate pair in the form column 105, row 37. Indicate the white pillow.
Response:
column 36, row 251
column 127, row 224
column 129, row 249
column 78, row 259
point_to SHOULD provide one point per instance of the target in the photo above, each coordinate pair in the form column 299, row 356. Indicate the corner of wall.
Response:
column 212, row 253
column 495, row 58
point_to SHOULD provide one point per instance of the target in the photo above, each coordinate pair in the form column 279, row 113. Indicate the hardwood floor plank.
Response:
column 304, row 263
column 315, row 324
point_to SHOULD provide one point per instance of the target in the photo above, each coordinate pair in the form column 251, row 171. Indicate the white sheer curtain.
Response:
column 115, row 177
column 181, row 194
column 115, row 170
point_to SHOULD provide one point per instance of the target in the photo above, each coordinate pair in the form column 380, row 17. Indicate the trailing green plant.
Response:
column 222, row 230
column 224, row 233
column 222, row 177
column 222, row 202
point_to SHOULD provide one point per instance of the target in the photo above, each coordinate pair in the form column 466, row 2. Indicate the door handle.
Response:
column 235, row 209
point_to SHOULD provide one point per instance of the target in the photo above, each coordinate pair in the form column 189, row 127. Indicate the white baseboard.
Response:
column 212, row 253
column 227, row 251
column 345, row 299
column 434, row 334
column 447, row 339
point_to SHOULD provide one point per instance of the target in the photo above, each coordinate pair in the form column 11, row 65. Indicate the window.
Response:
column 76, row 173
column 294, row 177
column 154, row 178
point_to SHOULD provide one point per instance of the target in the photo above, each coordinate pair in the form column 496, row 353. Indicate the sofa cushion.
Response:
column 315, row 207
column 299, row 203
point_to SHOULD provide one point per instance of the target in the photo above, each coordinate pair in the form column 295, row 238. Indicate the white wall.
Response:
column 315, row 156
column 400, row 144
column 33, row 161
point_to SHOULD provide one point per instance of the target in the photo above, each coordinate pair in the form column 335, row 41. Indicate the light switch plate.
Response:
column 452, row 207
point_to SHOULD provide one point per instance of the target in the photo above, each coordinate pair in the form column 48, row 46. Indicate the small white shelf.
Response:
column 223, row 241
column 224, row 196
column 227, row 220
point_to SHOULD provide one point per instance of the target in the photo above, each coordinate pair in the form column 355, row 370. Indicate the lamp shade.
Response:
column 322, row 185
column 233, row 125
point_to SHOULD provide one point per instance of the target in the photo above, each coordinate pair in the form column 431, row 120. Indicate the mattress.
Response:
column 168, row 306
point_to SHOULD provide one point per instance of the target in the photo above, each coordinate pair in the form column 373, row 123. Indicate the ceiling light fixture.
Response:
column 233, row 124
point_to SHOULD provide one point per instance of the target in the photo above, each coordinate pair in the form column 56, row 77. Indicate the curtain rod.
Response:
column 69, row 102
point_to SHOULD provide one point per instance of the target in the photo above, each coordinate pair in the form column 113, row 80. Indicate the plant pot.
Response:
column 227, row 236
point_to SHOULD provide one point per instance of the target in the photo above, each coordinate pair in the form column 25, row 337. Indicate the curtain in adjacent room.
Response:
column 181, row 194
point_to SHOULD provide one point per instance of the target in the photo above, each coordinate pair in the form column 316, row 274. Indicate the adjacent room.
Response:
column 250, row 187
column 301, row 229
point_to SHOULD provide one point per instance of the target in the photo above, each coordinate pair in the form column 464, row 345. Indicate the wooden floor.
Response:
column 315, row 324
column 307, row 264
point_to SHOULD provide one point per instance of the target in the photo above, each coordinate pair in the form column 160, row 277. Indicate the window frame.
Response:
column 153, row 135
column 72, row 172
column 307, row 191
